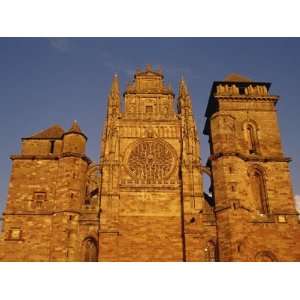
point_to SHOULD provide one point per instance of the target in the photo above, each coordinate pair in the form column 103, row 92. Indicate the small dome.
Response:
column 237, row 78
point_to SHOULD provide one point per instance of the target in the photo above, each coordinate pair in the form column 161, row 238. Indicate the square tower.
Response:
column 252, row 189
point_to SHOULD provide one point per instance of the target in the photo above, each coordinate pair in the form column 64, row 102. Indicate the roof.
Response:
column 237, row 78
column 75, row 129
column 53, row 132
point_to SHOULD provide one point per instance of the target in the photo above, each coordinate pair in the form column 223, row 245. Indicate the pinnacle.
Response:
column 75, row 127
column 149, row 67
column 183, row 90
column 115, row 89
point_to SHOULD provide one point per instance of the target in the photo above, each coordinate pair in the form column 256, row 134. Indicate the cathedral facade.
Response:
column 144, row 199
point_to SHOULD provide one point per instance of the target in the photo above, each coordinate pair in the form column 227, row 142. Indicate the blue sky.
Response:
column 46, row 81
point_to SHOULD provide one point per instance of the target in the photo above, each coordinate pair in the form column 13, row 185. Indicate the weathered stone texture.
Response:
column 144, row 200
column 254, row 204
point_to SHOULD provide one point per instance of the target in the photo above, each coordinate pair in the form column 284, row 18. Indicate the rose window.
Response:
column 151, row 161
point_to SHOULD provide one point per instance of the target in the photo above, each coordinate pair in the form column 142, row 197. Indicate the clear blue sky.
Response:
column 46, row 81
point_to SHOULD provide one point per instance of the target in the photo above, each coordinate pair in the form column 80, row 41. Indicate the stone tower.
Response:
column 46, row 191
column 254, row 207
column 152, row 203
column 144, row 200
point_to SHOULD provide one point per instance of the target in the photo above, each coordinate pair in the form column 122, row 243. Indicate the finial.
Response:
column 159, row 69
column 148, row 67
column 115, row 84
column 75, row 127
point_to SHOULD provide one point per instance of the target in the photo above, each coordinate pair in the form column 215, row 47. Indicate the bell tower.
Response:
column 255, row 211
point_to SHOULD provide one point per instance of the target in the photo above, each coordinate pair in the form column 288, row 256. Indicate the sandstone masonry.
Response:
column 144, row 199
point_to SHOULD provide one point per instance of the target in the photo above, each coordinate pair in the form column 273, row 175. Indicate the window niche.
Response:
column 52, row 144
column 39, row 199
column 15, row 234
column 251, row 137
column 259, row 190
column 149, row 109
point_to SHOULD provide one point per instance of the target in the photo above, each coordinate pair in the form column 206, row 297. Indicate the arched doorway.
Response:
column 90, row 250
column 265, row 256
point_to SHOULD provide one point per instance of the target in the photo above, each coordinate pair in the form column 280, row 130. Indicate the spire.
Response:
column 183, row 90
column 184, row 99
column 114, row 95
column 115, row 87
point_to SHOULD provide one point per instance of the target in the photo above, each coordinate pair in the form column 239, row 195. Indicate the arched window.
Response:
column 90, row 250
column 252, row 139
column 259, row 191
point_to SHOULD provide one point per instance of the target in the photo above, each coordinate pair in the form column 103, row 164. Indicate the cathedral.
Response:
column 144, row 201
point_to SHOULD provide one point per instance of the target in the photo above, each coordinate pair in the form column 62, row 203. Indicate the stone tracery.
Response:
column 151, row 161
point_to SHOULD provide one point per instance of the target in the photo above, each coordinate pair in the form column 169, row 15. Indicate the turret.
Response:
column 70, row 195
column 114, row 97
column 74, row 140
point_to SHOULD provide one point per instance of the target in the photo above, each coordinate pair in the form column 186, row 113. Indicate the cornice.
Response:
column 32, row 157
column 50, row 156
column 248, row 98
column 40, row 213
column 250, row 157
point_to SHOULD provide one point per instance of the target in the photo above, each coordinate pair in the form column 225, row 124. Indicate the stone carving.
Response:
column 131, row 108
column 256, row 90
column 92, row 185
column 151, row 161
column 259, row 90
column 227, row 89
column 165, row 109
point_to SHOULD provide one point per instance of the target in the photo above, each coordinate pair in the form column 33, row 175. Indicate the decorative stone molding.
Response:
column 150, row 160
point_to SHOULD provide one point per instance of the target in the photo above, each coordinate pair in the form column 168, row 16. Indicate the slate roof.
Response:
column 53, row 132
